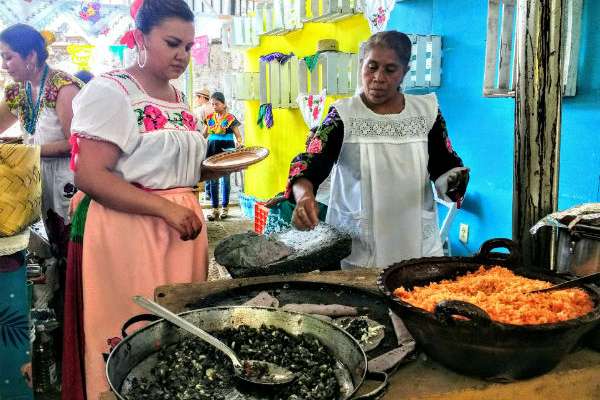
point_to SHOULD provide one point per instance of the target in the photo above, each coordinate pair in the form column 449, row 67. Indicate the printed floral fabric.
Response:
column 323, row 148
column 57, row 81
column 324, row 145
column 14, row 94
column 221, row 125
column 15, row 346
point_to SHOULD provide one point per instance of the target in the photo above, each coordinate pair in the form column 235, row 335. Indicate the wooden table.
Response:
column 576, row 377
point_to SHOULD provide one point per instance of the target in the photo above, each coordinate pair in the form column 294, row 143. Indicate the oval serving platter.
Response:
column 236, row 159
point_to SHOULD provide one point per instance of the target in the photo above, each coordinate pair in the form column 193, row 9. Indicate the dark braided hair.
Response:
column 393, row 40
column 153, row 12
column 24, row 39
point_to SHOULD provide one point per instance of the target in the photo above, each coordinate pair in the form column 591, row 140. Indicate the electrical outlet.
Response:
column 463, row 233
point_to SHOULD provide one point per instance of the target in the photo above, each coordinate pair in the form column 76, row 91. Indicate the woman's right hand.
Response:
column 306, row 213
column 184, row 220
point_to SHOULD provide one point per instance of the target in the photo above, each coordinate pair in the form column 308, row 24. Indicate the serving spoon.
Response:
column 254, row 372
column 569, row 284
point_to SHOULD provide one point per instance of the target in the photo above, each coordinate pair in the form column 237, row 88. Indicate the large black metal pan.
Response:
column 136, row 354
column 479, row 346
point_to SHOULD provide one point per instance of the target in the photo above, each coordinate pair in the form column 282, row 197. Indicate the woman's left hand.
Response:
column 457, row 183
column 184, row 220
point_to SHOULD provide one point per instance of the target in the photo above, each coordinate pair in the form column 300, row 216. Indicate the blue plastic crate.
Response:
column 247, row 205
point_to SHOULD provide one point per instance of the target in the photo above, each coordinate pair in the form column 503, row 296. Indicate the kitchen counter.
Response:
column 576, row 377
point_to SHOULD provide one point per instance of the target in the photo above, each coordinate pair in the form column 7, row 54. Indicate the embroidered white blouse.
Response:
column 160, row 145
column 381, row 171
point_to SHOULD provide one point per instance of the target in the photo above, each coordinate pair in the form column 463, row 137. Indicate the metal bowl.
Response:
column 136, row 354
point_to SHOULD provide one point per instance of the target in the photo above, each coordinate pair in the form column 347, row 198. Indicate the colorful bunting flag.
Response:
column 201, row 50
column 80, row 55
column 378, row 13
column 312, row 107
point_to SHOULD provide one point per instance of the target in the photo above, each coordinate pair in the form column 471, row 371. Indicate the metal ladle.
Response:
column 254, row 372
column 569, row 284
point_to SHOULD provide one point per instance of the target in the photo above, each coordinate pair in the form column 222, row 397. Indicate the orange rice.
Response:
column 502, row 294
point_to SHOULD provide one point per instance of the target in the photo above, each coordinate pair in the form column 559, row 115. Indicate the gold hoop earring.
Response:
column 139, row 57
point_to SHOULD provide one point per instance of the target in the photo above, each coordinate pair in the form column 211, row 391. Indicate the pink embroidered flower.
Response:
column 12, row 91
column 51, row 94
column 15, row 97
column 188, row 120
column 315, row 113
column 380, row 16
column 153, row 118
column 297, row 168
column 310, row 101
column 315, row 146
column 449, row 145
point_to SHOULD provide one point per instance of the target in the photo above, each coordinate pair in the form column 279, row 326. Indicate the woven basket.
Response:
column 20, row 187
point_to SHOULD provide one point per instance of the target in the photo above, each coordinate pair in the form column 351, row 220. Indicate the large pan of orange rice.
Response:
column 504, row 296
column 475, row 315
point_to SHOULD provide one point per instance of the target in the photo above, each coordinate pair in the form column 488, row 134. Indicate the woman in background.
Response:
column 221, row 128
column 202, row 106
column 41, row 99
column 202, row 109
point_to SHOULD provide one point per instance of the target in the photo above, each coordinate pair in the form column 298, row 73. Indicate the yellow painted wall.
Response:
column 288, row 135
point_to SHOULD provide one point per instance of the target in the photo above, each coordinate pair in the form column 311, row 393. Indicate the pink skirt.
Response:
column 126, row 255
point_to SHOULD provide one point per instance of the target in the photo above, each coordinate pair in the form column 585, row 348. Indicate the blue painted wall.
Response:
column 580, row 139
column 481, row 128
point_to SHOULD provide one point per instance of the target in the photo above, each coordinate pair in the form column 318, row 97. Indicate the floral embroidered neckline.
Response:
column 124, row 74
column 16, row 97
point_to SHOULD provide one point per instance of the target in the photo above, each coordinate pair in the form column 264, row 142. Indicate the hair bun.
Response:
column 49, row 37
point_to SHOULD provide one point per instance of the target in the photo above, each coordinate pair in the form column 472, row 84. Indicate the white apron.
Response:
column 380, row 188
